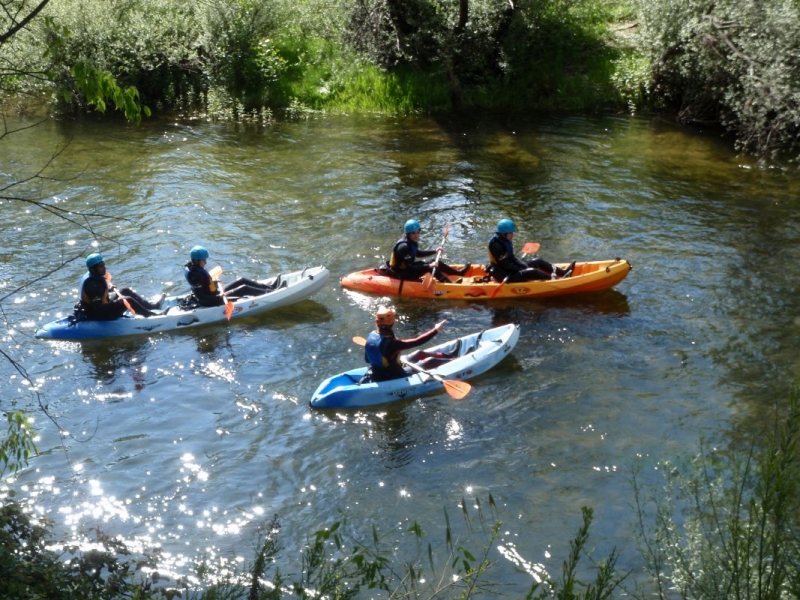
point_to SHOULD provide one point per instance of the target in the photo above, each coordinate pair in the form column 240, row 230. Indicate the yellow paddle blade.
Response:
column 215, row 272
column 497, row 289
column 357, row 339
column 530, row 248
column 457, row 389
column 427, row 282
column 128, row 306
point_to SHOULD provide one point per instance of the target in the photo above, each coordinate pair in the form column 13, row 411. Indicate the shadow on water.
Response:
column 107, row 360
column 114, row 356
column 610, row 303
column 387, row 425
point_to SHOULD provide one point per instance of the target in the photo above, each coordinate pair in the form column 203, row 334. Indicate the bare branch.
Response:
column 19, row 25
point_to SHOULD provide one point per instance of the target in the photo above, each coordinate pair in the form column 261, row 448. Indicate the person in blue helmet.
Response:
column 507, row 267
column 208, row 291
column 100, row 300
column 403, row 262
column 382, row 350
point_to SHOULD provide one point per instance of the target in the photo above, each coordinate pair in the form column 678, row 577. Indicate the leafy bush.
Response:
column 153, row 46
column 18, row 446
column 729, row 62
column 30, row 569
column 242, row 58
column 335, row 564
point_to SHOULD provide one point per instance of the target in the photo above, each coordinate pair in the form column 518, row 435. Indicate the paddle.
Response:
column 530, row 248
column 427, row 281
column 497, row 289
column 127, row 304
column 457, row 389
column 215, row 273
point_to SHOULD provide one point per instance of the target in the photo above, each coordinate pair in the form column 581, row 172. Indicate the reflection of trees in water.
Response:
column 758, row 345
column 391, row 432
column 107, row 360
column 403, row 430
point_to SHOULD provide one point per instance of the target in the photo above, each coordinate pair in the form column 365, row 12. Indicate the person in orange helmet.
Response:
column 382, row 350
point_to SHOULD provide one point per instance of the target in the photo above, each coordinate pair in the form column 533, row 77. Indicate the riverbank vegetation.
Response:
column 730, row 65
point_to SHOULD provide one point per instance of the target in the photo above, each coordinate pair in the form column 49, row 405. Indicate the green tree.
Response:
column 243, row 60
column 731, row 63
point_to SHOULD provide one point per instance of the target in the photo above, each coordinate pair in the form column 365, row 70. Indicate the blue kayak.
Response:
column 465, row 357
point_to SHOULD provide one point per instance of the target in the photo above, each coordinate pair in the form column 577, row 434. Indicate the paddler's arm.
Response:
column 408, row 343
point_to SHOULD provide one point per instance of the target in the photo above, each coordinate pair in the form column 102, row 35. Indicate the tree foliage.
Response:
column 242, row 58
column 18, row 446
column 729, row 62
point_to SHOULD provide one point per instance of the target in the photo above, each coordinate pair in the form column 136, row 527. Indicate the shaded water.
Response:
column 190, row 441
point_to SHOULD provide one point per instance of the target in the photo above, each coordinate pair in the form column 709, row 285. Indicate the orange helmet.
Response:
column 384, row 317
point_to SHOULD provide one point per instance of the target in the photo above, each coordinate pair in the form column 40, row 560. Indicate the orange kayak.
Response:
column 476, row 284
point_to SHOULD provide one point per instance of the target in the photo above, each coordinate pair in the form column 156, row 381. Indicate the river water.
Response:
column 189, row 442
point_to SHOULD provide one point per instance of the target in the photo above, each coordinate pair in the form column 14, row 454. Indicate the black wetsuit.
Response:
column 505, row 265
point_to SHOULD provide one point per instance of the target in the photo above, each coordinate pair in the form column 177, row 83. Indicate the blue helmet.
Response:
column 93, row 259
column 506, row 226
column 411, row 226
column 198, row 253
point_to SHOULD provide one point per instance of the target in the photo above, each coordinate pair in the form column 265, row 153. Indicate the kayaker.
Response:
column 100, row 300
column 507, row 267
column 404, row 264
column 382, row 350
column 207, row 290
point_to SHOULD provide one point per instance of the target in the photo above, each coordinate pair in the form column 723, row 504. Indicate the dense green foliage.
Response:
column 17, row 447
column 732, row 64
column 246, row 55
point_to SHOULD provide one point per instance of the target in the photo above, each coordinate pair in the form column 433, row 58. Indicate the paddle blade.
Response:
column 530, row 248
column 229, row 309
column 427, row 282
column 215, row 272
column 357, row 339
column 128, row 306
column 457, row 389
column 497, row 289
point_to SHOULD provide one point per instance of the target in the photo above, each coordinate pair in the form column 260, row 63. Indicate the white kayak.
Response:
column 177, row 312
column 466, row 357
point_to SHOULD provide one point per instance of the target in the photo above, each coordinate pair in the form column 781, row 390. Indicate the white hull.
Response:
column 294, row 287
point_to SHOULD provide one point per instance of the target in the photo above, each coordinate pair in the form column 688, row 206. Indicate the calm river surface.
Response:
column 191, row 441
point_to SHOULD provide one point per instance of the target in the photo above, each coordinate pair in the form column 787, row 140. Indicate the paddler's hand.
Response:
column 440, row 325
